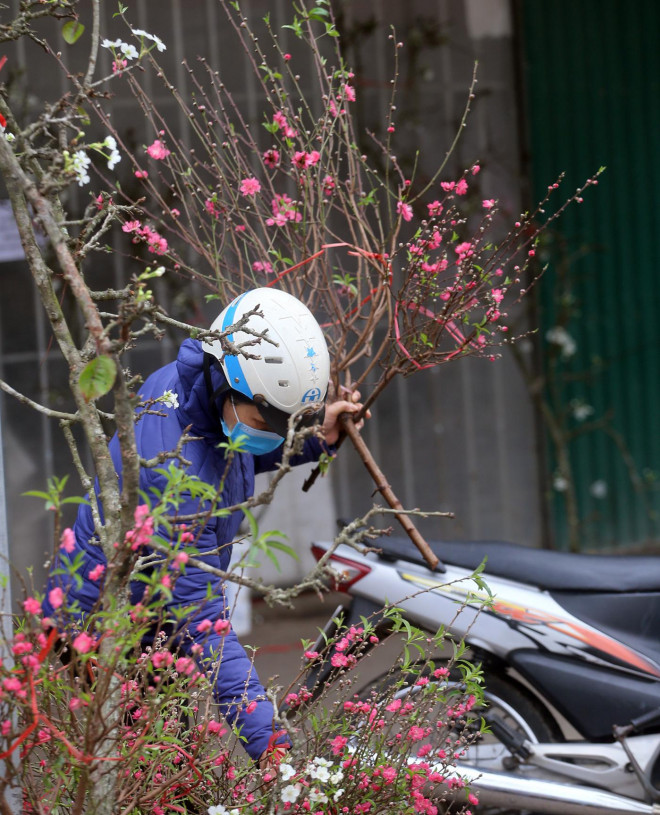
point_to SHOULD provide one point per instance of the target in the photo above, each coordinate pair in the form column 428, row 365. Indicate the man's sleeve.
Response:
column 236, row 685
column 312, row 451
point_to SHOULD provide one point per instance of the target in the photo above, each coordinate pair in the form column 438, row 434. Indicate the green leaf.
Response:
column 97, row 377
column 282, row 547
column 72, row 31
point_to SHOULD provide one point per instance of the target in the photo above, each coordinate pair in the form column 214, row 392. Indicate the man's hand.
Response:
column 331, row 426
column 270, row 760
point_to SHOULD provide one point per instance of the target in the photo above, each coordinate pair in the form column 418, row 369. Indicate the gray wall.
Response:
column 460, row 438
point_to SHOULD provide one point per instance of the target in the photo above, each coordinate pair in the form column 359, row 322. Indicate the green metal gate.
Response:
column 592, row 75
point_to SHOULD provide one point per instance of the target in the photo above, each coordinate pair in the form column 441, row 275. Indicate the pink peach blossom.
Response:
column 250, row 186
column 97, row 572
column 158, row 150
column 222, row 627
column 184, row 665
column 56, row 597
column 271, row 158
column 83, row 643
column 161, row 659
column 32, row 606
column 404, row 210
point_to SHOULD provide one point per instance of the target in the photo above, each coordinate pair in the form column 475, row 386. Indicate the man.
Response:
column 247, row 398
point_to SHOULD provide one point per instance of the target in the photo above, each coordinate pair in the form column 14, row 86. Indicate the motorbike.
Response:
column 569, row 646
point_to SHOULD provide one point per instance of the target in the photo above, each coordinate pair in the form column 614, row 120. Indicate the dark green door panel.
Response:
column 592, row 77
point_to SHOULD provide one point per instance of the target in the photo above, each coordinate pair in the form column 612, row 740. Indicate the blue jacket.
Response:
column 236, row 679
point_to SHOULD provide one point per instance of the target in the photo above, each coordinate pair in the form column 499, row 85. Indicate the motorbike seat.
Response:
column 551, row 570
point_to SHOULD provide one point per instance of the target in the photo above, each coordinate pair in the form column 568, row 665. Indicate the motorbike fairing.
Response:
column 632, row 618
column 592, row 698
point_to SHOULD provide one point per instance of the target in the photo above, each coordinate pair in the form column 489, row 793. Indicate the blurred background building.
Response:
column 557, row 443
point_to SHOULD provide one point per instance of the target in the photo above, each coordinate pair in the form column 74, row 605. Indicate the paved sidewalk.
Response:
column 277, row 632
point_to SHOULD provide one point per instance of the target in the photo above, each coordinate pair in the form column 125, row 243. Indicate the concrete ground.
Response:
column 277, row 633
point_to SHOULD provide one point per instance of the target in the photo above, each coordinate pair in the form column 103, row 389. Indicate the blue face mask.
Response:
column 253, row 441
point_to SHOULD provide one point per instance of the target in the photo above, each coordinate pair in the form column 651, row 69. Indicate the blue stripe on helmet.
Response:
column 235, row 375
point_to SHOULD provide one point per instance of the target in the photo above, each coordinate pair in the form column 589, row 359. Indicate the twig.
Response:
column 385, row 489
column 53, row 414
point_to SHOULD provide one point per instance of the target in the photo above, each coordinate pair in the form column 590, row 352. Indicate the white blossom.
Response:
column 290, row 794
column 599, row 489
column 160, row 45
column 320, row 773
column 79, row 163
column 560, row 336
column 286, row 771
column 129, row 51
column 219, row 809
column 580, row 410
column 115, row 156
column 338, row 795
column 169, row 399
column 337, row 776
column 560, row 483
column 317, row 797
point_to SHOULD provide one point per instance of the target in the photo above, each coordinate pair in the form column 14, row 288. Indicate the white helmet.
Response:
column 292, row 370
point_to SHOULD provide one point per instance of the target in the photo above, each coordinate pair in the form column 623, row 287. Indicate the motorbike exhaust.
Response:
column 510, row 791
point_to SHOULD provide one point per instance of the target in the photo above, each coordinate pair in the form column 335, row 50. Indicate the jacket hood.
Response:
column 194, row 406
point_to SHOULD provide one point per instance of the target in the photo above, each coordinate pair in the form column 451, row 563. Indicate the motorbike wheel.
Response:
column 513, row 705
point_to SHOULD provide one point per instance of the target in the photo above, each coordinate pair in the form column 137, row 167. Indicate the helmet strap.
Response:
column 213, row 394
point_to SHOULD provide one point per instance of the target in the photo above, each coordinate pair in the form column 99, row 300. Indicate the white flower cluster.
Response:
column 114, row 157
column 160, row 45
column 78, row 163
column 318, row 769
column 127, row 50
column 560, row 336
column 321, row 769
column 169, row 399
column 219, row 809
